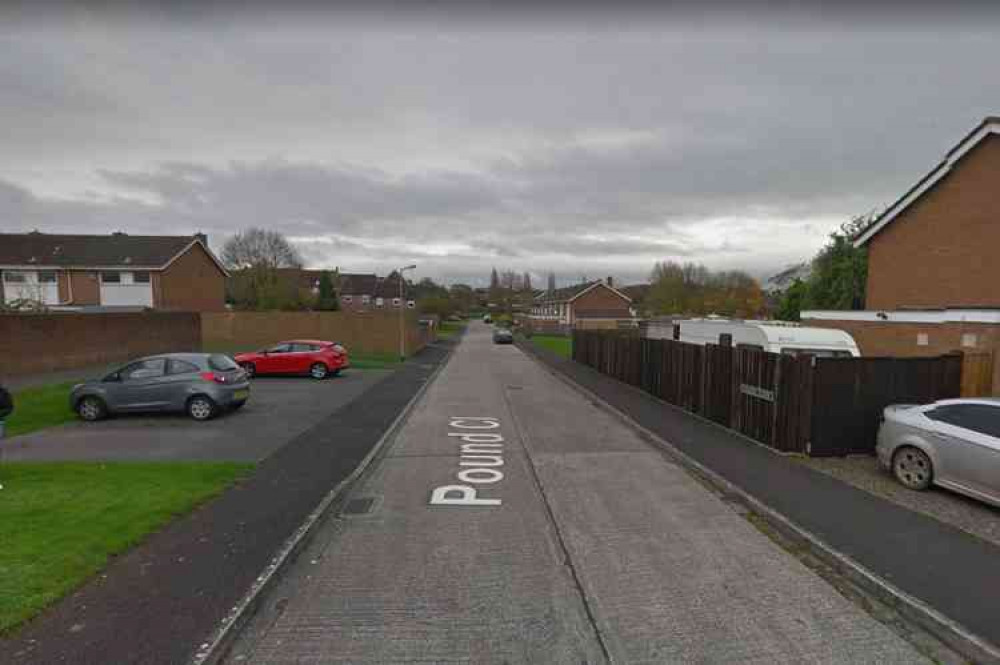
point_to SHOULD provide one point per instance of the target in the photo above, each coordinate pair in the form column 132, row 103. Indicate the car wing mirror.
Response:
column 114, row 377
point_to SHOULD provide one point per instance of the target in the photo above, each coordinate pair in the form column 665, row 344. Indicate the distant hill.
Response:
column 787, row 277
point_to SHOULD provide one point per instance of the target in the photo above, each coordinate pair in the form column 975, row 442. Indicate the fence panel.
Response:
column 850, row 394
column 822, row 406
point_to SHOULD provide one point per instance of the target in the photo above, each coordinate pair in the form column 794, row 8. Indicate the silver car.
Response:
column 503, row 336
column 199, row 384
column 953, row 443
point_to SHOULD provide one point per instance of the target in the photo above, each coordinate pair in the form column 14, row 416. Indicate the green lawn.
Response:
column 39, row 407
column 562, row 346
column 374, row 360
column 449, row 329
column 59, row 523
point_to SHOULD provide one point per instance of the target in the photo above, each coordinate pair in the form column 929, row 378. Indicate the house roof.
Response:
column 356, row 284
column 570, row 293
column 988, row 127
column 118, row 250
column 388, row 287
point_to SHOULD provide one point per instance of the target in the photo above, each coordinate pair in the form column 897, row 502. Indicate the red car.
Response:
column 301, row 356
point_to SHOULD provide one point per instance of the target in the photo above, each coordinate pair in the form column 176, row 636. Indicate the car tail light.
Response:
column 212, row 376
column 337, row 348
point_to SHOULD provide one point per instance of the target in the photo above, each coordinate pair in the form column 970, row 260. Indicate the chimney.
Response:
column 202, row 237
column 611, row 282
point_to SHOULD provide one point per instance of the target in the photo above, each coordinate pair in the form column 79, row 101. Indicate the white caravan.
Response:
column 773, row 336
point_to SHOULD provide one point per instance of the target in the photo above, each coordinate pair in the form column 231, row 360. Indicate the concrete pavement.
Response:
column 514, row 521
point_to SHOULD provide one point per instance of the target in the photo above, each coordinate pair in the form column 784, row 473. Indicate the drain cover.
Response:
column 361, row 506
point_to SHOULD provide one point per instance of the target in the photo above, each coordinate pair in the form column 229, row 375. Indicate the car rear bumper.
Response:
column 226, row 396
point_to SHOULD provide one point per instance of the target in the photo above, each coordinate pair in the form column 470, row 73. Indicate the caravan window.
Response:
column 818, row 353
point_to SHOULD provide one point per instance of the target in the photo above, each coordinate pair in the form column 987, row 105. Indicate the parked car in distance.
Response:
column 199, row 384
column 487, row 319
column 503, row 336
column 953, row 443
column 311, row 357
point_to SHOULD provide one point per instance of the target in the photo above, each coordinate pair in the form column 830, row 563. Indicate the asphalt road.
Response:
column 278, row 410
column 576, row 543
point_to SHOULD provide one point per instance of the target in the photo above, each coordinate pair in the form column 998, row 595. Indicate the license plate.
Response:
column 241, row 394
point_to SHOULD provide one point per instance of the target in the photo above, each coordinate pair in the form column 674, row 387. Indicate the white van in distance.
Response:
column 774, row 336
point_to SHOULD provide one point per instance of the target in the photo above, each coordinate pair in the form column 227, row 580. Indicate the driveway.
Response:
column 278, row 410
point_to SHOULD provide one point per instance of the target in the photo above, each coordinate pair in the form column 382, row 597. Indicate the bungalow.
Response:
column 594, row 304
column 76, row 272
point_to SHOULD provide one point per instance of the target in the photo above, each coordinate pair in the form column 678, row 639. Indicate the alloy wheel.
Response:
column 200, row 408
column 89, row 409
column 913, row 468
column 318, row 371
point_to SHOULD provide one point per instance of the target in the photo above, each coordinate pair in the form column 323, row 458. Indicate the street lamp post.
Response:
column 402, row 329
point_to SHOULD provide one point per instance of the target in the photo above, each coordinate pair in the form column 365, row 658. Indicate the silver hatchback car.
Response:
column 199, row 384
column 953, row 443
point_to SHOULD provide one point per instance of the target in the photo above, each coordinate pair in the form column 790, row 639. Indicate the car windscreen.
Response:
column 222, row 363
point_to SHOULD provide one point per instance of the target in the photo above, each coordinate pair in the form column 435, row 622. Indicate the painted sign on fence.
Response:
column 754, row 391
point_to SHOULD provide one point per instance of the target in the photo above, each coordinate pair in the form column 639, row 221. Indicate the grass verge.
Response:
column 374, row 360
column 562, row 346
column 39, row 407
column 449, row 329
column 60, row 522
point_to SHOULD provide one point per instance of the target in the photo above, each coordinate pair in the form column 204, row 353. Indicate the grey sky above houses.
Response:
column 587, row 147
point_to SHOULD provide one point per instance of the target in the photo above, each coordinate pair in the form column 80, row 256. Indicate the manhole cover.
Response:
column 360, row 506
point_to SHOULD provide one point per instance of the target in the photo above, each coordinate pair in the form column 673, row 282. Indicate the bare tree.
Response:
column 260, row 248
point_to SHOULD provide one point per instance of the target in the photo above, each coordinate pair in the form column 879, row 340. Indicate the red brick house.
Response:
column 77, row 272
column 933, row 270
column 594, row 304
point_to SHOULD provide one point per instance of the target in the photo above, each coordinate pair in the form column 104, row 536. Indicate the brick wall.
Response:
column 192, row 283
column 888, row 338
column 367, row 332
column 45, row 342
column 602, row 299
column 941, row 252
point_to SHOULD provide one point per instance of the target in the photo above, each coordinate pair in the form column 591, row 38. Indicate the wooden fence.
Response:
column 818, row 406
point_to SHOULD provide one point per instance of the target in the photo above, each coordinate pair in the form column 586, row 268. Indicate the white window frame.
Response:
column 148, row 280
column 366, row 300
column 345, row 299
column 410, row 304
column 22, row 274
column 117, row 273
column 396, row 302
column 380, row 303
column 53, row 273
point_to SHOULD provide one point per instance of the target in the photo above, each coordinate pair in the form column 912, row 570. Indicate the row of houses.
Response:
column 179, row 273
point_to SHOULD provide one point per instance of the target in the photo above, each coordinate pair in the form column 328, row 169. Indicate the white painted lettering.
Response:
column 481, row 448
column 477, row 438
column 494, row 460
column 485, row 424
column 467, row 496
column 482, row 476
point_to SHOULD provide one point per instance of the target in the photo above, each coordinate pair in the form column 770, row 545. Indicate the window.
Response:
column 395, row 302
column 411, row 304
column 181, row 367
column 15, row 277
column 366, row 300
column 221, row 362
column 818, row 353
column 145, row 369
column 346, row 299
column 140, row 277
column 379, row 302
column 968, row 339
column 302, row 348
column 922, row 339
column 111, row 278
column 280, row 348
column 981, row 418
column 47, row 277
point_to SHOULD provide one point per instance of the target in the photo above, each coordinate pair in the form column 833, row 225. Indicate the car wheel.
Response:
column 250, row 369
column 200, row 407
column 91, row 409
column 912, row 467
column 318, row 371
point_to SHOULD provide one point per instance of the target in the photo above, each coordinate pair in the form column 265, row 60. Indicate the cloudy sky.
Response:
column 588, row 144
